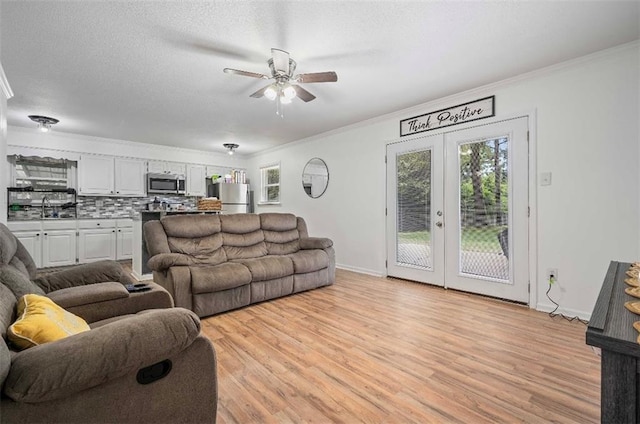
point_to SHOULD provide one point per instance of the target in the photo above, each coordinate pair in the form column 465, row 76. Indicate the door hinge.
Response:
column 528, row 211
column 386, row 265
column 385, row 211
column 527, row 136
column 385, row 158
column 529, row 287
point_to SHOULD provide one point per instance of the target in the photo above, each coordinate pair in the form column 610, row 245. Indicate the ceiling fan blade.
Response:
column 317, row 77
column 260, row 92
column 303, row 94
column 280, row 60
column 245, row 73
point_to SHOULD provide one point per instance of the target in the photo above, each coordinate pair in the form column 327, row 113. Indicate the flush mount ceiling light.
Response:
column 231, row 147
column 44, row 122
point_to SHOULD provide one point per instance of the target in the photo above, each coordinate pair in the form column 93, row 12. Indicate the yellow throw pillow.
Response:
column 40, row 321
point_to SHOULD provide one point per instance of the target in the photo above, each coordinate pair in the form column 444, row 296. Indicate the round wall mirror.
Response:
column 315, row 178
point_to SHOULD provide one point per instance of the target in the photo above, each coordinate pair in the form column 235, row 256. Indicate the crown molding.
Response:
column 461, row 96
column 4, row 84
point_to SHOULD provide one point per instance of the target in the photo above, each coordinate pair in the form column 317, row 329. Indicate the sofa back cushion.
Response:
column 197, row 236
column 281, row 233
column 13, row 253
column 242, row 237
column 7, row 316
column 188, row 226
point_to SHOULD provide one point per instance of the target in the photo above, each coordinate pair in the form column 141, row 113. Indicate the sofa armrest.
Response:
column 156, row 298
column 93, row 293
column 81, row 275
column 315, row 243
column 59, row 369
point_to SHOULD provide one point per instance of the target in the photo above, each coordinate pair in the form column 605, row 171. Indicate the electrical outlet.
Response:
column 552, row 275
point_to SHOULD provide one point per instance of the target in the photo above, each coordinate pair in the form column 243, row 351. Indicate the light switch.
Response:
column 545, row 178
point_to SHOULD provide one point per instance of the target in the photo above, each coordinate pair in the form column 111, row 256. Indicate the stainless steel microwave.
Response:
column 165, row 184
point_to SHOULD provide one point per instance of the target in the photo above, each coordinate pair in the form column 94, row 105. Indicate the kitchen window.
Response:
column 270, row 184
column 42, row 173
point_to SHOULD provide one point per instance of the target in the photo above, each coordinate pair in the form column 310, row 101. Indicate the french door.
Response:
column 457, row 209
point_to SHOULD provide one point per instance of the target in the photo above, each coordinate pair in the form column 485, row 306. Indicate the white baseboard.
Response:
column 359, row 270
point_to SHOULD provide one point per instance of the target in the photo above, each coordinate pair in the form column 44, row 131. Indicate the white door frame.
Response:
column 533, row 191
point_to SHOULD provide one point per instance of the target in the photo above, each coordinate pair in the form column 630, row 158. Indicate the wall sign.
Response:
column 466, row 112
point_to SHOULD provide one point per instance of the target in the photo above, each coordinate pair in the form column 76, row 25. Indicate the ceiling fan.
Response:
column 285, row 88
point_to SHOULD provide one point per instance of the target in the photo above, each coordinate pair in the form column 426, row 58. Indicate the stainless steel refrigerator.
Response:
column 234, row 197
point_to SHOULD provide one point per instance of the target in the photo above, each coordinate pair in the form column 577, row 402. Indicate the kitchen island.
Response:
column 140, row 255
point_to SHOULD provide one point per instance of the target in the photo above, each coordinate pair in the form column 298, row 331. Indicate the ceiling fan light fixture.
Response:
column 231, row 147
column 289, row 92
column 44, row 122
column 271, row 93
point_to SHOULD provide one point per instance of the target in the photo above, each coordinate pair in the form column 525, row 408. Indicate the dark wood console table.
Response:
column 611, row 329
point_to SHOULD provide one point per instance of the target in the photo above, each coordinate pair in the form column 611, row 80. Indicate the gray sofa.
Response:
column 136, row 364
column 215, row 263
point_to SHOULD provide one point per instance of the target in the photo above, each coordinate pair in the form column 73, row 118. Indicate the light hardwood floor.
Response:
column 372, row 349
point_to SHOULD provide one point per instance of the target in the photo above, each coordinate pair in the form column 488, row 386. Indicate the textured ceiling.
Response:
column 151, row 72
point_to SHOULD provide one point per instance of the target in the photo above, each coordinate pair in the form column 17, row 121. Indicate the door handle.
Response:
column 439, row 224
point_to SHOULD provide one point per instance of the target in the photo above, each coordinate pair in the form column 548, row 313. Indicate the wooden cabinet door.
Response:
column 95, row 175
column 130, row 177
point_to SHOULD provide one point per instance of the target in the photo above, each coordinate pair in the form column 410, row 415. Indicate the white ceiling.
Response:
column 151, row 72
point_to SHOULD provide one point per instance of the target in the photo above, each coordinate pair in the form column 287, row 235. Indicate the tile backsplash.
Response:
column 91, row 207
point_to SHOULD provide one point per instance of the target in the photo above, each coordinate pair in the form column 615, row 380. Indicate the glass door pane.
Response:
column 484, row 208
column 414, row 209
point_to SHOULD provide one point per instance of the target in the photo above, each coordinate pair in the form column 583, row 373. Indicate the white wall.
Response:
column 587, row 135
column 29, row 141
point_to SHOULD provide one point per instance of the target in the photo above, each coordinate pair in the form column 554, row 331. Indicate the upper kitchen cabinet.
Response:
column 95, row 175
column 162, row 167
column 196, row 184
column 110, row 176
column 129, row 177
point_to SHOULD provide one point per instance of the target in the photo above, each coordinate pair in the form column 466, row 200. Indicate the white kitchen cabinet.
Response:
column 130, row 177
column 163, row 167
column 50, row 243
column 100, row 175
column 196, row 184
column 124, row 239
column 96, row 240
column 30, row 235
column 32, row 241
column 95, row 175
column 58, row 242
column 58, row 248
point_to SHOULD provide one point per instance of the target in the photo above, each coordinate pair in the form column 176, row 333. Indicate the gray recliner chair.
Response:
column 142, row 360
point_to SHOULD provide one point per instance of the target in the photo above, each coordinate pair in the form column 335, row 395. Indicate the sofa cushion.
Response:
column 240, row 223
column 309, row 260
column 191, row 225
column 41, row 321
column 8, row 245
column 18, row 282
column 207, row 279
column 278, row 221
column 7, row 309
column 206, row 249
column 244, row 246
column 268, row 267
